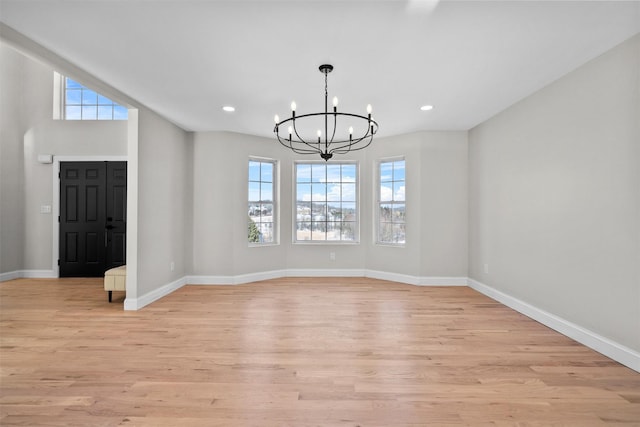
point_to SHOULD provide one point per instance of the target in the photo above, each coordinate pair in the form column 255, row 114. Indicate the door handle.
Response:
column 106, row 234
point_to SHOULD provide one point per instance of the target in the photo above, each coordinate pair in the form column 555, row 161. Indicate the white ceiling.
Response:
column 186, row 59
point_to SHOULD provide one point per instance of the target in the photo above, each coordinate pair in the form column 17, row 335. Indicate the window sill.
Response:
column 262, row 245
column 324, row 242
column 391, row 245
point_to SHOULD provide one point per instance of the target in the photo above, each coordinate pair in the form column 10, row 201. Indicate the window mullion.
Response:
column 332, row 213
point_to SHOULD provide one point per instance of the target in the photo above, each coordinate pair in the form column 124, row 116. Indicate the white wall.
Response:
column 554, row 188
column 437, row 209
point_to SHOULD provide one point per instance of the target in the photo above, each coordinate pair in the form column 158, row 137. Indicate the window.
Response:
column 326, row 202
column 262, row 202
column 81, row 103
column 391, row 202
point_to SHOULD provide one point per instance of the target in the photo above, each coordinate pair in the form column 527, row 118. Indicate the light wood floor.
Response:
column 295, row 352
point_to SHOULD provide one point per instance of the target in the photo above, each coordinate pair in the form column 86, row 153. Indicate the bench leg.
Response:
column 109, row 296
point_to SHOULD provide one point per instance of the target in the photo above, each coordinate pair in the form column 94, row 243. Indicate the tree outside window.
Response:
column 391, row 202
column 261, row 202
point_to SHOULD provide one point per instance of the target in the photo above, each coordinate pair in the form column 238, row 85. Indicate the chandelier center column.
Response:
column 299, row 140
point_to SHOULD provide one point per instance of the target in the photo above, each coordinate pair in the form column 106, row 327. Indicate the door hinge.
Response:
column 58, row 218
column 58, row 263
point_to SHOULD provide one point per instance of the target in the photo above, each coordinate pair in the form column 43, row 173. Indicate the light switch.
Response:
column 45, row 209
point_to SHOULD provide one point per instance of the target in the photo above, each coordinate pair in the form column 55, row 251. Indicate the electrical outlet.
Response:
column 172, row 266
column 332, row 256
column 486, row 268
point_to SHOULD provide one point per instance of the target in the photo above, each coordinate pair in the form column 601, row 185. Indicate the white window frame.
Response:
column 294, row 222
column 58, row 96
column 60, row 101
column 275, row 202
column 378, row 202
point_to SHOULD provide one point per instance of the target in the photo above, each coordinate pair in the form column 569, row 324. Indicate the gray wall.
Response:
column 546, row 195
column 163, row 175
column 12, row 125
column 28, row 129
column 164, row 202
column 554, row 190
column 219, row 177
column 436, row 208
column 436, row 205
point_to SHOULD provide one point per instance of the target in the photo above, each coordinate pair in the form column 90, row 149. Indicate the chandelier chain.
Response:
column 327, row 148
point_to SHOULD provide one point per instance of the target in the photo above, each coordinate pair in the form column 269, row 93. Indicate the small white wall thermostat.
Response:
column 45, row 158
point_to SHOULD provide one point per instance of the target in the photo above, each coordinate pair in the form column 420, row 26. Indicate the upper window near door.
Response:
column 391, row 202
column 262, row 199
column 73, row 101
column 326, row 208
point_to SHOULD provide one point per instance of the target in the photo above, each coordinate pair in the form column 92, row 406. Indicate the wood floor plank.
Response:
column 295, row 352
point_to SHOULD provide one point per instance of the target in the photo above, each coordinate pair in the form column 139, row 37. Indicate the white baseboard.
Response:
column 393, row 277
column 10, row 276
column 148, row 298
column 417, row 280
column 235, row 280
column 39, row 274
column 336, row 272
column 443, row 281
column 209, row 280
column 156, row 294
column 609, row 348
column 300, row 272
column 274, row 274
column 30, row 274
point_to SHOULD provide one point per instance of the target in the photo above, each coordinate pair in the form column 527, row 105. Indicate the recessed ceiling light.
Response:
column 426, row 107
column 229, row 108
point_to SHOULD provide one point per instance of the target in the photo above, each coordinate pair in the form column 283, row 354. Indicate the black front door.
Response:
column 93, row 212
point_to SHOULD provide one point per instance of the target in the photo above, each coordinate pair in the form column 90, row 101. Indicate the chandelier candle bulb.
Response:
column 276, row 119
column 302, row 143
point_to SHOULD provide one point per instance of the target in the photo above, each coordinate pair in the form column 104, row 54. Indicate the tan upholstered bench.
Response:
column 115, row 280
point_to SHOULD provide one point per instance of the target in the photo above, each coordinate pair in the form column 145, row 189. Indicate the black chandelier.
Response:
column 330, row 145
